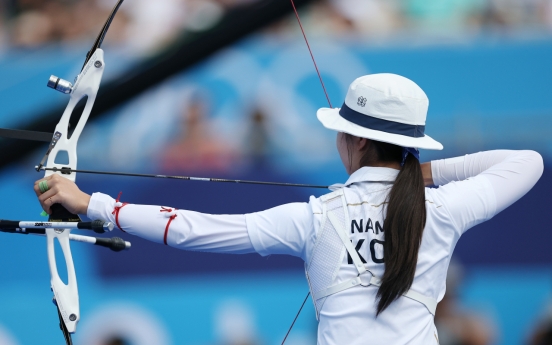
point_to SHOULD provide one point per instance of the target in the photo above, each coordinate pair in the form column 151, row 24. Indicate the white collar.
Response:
column 372, row 174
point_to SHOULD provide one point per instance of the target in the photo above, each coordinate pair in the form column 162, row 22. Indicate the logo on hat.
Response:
column 361, row 101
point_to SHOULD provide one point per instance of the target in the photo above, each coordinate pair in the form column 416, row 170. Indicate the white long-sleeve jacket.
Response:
column 473, row 189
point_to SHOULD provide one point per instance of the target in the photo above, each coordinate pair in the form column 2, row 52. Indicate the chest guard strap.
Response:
column 361, row 279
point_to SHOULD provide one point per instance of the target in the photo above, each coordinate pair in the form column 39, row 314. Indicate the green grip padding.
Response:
column 43, row 186
column 44, row 214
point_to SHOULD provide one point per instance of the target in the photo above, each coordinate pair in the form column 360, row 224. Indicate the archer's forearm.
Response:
column 181, row 229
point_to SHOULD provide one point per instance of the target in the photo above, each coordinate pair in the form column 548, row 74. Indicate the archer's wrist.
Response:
column 83, row 204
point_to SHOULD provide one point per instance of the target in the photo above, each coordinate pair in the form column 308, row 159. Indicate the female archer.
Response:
column 377, row 248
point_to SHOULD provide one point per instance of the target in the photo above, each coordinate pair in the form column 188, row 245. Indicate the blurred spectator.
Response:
column 141, row 27
column 144, row 26
column 197, row 148
column 546, row 13
column 151, row 24
column 387, row 17
column 322, row 19
column 456, row 325
column 370, row 16
column 442, row 16
column 203, row 14
column 32, row 28
column 257, row 141
column 542, row 334
column 39, row 23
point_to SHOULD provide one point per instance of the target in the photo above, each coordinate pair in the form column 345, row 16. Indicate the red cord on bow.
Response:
column 118, row 207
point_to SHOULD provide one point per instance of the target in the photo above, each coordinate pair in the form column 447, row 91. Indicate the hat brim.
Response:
column 331, row 119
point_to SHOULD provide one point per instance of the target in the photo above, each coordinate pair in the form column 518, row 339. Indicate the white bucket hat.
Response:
column 383, row 107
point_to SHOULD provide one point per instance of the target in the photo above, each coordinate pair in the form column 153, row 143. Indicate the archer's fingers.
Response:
column 36, row 186
column 46, row 199
column 45, row 178
column 47, row 204
column 37, row 189
column 49, row 181
column 48, row 194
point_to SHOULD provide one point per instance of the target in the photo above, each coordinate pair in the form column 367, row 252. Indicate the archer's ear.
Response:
column 362, row 143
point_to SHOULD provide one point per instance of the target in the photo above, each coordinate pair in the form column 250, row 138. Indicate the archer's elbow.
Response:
column 534, row 163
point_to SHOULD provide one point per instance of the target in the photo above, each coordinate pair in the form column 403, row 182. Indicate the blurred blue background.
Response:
column 249, row 112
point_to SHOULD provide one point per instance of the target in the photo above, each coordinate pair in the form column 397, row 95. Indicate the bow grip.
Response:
column 60, row 214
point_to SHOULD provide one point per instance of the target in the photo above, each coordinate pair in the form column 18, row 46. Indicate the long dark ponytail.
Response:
column 404, row 222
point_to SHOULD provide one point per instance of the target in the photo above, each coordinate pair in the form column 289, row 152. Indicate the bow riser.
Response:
column 87, row 85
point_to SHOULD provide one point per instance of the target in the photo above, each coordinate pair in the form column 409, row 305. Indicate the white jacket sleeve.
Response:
column 178, row 228
column 285, row 229
column 478, row 186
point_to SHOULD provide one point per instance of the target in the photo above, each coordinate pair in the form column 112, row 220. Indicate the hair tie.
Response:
column 409, row 150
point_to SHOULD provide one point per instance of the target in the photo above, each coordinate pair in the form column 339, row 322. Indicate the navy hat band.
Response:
column 369, row 122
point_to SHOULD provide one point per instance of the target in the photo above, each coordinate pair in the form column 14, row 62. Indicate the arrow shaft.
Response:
column 185, row 178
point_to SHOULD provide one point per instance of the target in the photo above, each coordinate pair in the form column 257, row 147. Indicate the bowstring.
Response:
column 310, row 51
column 296, row 316
column 330, row 104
